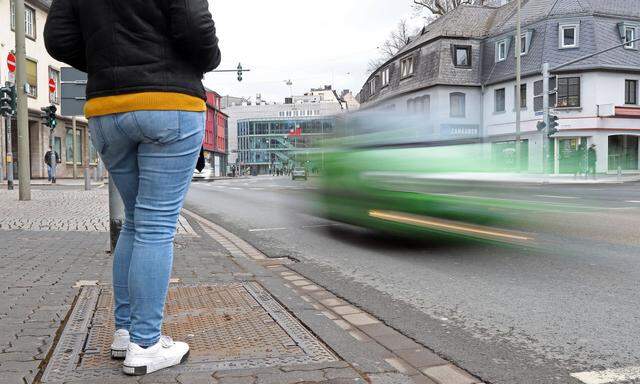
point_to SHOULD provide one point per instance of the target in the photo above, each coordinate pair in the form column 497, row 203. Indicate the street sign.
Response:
column 73, row 92
column 11, row 62
column 52, row 86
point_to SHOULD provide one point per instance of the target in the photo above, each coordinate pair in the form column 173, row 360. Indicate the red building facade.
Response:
column 216, row 135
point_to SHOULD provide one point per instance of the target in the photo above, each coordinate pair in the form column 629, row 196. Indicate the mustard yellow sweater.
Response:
column 143, row 101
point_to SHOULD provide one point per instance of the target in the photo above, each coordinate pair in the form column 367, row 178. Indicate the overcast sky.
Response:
column 311, row 42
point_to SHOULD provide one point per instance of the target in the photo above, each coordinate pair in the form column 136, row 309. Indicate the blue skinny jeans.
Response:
column 150, row 156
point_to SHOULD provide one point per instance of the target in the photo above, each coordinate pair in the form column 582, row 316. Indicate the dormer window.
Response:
column 630, row 37
column 501, row 50
column 462, row 56
column 525, row 42
column 406, row 67
column 385, row 76
column 569, row 36
column 629, row 32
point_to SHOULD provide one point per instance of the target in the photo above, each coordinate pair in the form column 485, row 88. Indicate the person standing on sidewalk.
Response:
column 592, row 160
column 145, row 61
column 47, row 160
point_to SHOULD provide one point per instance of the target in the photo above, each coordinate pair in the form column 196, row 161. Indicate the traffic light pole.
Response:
column 22, row 113
column 53, row 158
column 545, row 131
column 9, row 155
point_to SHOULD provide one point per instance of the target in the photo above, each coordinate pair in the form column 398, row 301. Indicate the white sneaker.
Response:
column 120, row 344
column 165, row 353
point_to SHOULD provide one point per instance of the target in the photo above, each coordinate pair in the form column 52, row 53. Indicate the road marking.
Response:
column 608, row 376
column 267, row 229
column 318, row 226
column 257, row 189
column 237, row 189
column 557, row 197
column 633, row 201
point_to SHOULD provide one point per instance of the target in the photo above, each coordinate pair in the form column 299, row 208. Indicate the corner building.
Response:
column 458, row 74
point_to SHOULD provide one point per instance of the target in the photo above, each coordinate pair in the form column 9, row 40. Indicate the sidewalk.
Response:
column 248, row 318
column 59, row 182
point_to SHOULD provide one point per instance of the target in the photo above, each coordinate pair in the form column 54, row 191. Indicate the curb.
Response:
column 377, row 351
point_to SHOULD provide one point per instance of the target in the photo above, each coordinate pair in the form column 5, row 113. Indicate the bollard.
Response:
column 116, row 214
column 87, row 180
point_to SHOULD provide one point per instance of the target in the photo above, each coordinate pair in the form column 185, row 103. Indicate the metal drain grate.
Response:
column 229, row 326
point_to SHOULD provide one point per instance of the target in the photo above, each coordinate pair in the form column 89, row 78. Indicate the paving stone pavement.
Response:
column 41, row 272
column 61, row 209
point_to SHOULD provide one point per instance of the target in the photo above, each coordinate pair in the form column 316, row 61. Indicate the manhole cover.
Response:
column 230, row 326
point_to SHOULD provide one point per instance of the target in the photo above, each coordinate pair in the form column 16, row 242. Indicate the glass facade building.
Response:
column 270, row 145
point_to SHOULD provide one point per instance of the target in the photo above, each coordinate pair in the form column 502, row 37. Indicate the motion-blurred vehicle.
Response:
column 299, row 173
column 397, row 175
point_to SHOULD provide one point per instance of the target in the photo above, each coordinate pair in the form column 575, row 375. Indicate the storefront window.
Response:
column 504, row 155
column 623, row 153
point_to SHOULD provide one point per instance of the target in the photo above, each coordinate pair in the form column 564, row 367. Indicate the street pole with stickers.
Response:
column 74, row 85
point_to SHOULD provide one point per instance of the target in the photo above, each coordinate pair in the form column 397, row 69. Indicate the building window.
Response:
column 419, row 105
column 406, row 67
column 523, row 96
column 385, row 76
column 69, row 145
column 54, row 97
column 29, row 20
column 500, row 100
column 631, row 92
column 501, row 50
column 525, row 42
column 457, row 103
column 630, row 35
column 372, row 86
column 569, row 36
column 462, row 56
column 568, row 92
column 57, row 145
column 32, row 77
column 93, row 154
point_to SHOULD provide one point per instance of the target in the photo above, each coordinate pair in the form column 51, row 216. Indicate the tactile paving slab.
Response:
column 230, row 326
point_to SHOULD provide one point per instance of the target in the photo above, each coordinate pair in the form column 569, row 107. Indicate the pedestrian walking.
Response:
column 592, row 160
column 47, row 160
column 145, row 61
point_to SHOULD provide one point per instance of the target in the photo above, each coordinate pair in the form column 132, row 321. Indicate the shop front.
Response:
column 623, row 153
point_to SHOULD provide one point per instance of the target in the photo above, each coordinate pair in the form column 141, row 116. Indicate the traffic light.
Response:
column 239, row 72
column 49, row 118
column 8, row 100
column 553, row 125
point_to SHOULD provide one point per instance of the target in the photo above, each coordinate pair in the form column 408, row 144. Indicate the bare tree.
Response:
column 394, row 43
column 441, row 7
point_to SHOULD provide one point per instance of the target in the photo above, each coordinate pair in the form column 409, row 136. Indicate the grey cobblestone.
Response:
column 56, row 209
column 290, row 377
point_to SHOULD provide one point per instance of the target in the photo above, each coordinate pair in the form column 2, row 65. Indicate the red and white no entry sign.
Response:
column 11, row 62
column 52, row 86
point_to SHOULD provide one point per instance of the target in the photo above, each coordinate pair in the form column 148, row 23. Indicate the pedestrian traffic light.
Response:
column 49, row 118
column 553, row 125
column 8, row 100
column 239, row 72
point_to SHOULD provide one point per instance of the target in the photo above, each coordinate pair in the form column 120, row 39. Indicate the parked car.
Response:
column 299, row 173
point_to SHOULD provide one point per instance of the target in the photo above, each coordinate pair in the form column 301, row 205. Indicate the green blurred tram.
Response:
column 395, row 174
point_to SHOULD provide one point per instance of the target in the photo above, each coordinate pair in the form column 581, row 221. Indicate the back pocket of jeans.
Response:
column 159, row 127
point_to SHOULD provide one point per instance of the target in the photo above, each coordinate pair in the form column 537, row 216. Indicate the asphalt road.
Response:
column 508, row 315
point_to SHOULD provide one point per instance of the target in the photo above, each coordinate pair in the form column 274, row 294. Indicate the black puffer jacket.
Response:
column 129, row 46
